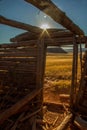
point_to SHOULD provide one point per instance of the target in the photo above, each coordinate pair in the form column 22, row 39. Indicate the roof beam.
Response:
column 19, row 25
column 49, row 34
column 48, row 7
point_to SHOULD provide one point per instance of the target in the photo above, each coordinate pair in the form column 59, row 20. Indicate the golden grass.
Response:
column 59, row 69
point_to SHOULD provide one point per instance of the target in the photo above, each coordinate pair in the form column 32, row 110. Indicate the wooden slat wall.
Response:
column 21, row 70
column 14, row 58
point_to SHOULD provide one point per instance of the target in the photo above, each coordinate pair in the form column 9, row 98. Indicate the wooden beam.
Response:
column 20, row 25
column 49, row 33
column 16, row 107
column 24, row 37
column 48, row 41
column 18, row 44
column 48, row 7
column 74, row 74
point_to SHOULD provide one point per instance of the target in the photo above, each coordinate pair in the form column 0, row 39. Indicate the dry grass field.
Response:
column 58, row 75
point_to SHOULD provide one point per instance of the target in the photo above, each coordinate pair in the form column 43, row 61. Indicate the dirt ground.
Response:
column 55, row 109
column 56, row 106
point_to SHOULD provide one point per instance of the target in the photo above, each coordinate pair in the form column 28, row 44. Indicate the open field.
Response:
column 58, row 74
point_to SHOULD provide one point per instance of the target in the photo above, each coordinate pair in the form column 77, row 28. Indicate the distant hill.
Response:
column 55, row 50
column 71, row 50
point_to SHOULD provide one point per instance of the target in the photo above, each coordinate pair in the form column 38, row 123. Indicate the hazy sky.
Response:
column 22, row 11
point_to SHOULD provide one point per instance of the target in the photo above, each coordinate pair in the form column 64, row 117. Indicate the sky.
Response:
column 22, row 11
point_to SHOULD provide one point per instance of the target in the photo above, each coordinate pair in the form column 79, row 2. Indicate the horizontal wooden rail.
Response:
column 19, row 59
column 18, row 54
column 22, row 44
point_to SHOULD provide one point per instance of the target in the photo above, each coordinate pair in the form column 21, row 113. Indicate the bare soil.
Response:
column 56, row 106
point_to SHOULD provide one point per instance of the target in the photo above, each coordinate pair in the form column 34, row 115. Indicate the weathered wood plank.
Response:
column 59, row 41
column 51, row 9
column 18, row 72
column 30, row 115
column 19, row 59
column 25, row 37
column 74, row 74
column 41, row 56
column 64, row 123
column 52, row 33
column 19, row 44
column 20, row 50
column 18, row 54
column 20, row 64
column 20, row 25
column 24, row 70
column 18, row 68
column 63, row 39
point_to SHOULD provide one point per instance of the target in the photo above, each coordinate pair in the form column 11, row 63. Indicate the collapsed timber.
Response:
column 22, row 66
column 21, row 87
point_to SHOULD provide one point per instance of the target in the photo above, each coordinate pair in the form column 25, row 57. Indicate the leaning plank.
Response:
column 64, row 123
column 30, row 115
column 20, row 25
column 16, row 107
column 25, row 37
column 48, row 7
column 52, row 33
column 34, row 124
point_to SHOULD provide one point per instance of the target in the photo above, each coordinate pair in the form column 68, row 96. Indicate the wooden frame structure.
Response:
column 28, row 52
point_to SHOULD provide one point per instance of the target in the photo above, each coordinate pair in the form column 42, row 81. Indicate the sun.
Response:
column 45, row 26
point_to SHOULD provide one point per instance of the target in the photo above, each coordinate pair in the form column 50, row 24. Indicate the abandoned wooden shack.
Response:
column 22, row 66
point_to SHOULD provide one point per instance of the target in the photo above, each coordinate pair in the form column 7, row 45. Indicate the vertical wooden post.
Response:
column 74, row 73
column 82, row 92
column 41, row 58
column 41, row 69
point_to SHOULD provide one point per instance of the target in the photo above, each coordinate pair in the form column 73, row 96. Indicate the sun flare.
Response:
column 45, row 26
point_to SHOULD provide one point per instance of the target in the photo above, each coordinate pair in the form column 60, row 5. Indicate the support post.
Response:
column 41, row 70
column 74, row 73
